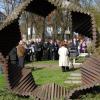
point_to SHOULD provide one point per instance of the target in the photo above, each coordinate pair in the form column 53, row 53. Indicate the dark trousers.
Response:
column 64, row 68
column 21, row 61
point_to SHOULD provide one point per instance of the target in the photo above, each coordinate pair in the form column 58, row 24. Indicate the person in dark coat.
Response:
column 45, row 50
column 56, row 47
column 39, row 50
column 52, row 48
column 13, row 58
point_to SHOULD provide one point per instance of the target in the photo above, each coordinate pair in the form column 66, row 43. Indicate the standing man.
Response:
column 21, row 53
column 52, row 48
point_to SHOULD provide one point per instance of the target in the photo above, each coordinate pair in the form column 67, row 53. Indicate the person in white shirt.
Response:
column 63, row 57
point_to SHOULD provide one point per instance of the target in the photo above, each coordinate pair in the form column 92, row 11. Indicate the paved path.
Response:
column 74, row 78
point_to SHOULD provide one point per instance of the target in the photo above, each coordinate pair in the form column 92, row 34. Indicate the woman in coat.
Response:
column 63, row 57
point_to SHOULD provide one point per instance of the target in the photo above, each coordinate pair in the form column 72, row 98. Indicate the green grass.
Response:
column 6, row 95
column 42, row 63
column 95, row 95
column 2, row 81
column 80, row 59
column 52, row 75
column 46, row 62
column 91, row 97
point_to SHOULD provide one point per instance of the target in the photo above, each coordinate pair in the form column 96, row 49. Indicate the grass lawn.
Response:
column 39, row 64
column 2, row 81
column 89, row 96
column 42, row 75
column 46, row 62
column 80, row 59
column 94, row 96
column 52, row 75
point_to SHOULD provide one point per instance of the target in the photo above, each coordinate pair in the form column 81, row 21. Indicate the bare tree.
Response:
column 87, row 4
column 97, row 2
column 8, row 6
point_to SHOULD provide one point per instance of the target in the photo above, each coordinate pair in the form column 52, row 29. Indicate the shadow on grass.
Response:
column 92, row 93
column 35, row 69
column 74, row 69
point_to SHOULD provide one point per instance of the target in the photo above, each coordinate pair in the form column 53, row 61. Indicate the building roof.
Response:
column 2, row 13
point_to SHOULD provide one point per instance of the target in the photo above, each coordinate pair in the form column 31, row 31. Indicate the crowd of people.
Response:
column 47, row 50
column 38, row 50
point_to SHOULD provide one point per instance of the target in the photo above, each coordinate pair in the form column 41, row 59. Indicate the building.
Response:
column 2, row 17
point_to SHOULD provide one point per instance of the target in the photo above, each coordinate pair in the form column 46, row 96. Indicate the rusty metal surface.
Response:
column 50, row 92
column 20, row 80
column 83, row 90
column 90, row 71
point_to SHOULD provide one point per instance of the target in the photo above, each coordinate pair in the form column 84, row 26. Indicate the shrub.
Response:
column 90, row 48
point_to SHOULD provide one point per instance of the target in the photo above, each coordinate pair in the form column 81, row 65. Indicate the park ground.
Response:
column 45, row 72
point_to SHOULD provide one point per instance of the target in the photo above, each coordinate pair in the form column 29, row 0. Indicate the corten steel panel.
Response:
column 81, row 23
column 50, row 92
column 90, row 71
column 20, row 80
column 9, row 37
column 41, row 8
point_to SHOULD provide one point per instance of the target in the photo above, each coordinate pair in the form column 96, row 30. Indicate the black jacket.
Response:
column 13, row 58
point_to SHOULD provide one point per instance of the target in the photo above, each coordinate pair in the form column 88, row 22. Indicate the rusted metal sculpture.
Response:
column 20, row 80
column 90, row 71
